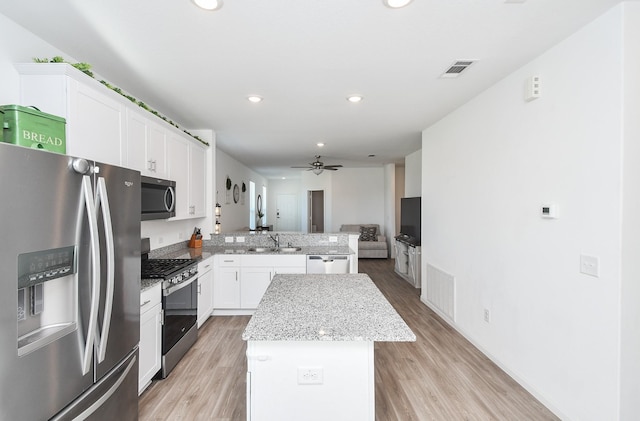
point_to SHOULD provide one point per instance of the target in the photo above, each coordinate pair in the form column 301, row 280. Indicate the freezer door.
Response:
column 118, row 207
column 114, row 397
column 42, row 211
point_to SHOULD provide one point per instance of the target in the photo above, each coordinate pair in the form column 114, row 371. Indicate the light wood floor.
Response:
column 441, row 376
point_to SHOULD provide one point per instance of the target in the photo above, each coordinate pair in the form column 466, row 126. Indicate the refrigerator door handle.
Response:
column 102, row 201
column 87, row 197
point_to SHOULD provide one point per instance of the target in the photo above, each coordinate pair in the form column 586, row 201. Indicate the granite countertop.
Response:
column 203, row 253
column 344, row 307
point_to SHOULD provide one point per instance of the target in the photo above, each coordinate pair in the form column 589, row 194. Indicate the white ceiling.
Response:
column 304, row 57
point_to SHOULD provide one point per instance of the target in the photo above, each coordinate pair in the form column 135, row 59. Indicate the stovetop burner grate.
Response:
column 163, row 268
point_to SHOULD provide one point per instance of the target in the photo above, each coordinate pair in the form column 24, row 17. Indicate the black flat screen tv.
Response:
column 410, row 219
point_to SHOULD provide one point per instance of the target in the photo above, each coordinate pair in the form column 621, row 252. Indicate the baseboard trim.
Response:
column 497, row 362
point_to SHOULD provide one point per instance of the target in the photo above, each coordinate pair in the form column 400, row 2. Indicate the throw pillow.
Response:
column 368, row 234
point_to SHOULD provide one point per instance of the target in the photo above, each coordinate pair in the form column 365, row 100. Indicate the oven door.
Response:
column 180, row 304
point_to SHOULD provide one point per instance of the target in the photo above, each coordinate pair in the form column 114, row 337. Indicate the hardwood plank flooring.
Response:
column 439, row 377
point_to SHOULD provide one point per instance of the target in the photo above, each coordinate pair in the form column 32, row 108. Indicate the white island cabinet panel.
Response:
column 289, row 379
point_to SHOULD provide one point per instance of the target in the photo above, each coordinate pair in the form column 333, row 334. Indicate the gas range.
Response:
column 179, row 304
column 171, row 271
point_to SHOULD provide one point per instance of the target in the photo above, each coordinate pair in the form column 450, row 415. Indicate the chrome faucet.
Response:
column 276, row 240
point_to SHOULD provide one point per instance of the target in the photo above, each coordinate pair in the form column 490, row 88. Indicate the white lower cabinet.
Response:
column 150, row 335
column 205, row 290
column 240, row 281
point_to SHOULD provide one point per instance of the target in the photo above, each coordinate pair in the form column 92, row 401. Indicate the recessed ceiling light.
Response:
column 396, row 4
column 320, row 144
column 254, row 98
column 355, row 98
column 208, row 4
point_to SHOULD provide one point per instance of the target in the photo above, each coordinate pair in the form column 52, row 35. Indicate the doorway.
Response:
column 315, row 211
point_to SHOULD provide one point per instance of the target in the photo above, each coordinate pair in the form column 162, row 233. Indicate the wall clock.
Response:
column 236, row 193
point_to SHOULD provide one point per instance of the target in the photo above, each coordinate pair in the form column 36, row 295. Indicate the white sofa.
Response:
column 369, row 249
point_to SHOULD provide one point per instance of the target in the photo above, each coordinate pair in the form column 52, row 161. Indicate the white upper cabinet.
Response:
column 178, row 153
column 146, row 145
column 105, row 126
column 187, row 167
column 197, row 180
column 95, row 115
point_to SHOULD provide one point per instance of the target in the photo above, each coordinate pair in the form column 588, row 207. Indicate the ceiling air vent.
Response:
column 457, row 68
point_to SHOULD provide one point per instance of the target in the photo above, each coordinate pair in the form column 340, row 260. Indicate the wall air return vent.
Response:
column 457, row 68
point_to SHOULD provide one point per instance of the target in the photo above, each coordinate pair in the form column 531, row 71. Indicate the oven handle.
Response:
column 174, row 288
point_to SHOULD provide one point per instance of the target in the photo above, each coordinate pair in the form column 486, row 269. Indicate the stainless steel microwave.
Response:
column 158, row 198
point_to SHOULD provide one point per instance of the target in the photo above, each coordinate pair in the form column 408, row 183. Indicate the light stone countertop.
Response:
column 335, row 307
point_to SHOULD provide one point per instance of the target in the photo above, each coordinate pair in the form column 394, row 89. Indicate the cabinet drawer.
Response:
column 225, row 260
column 150, row 297
column 205, row 266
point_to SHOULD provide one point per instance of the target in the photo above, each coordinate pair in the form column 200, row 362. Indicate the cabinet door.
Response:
column 178, row 164
column 197, row 183
column 150, row 345
column 226, row 288
column 254, row 283
column 156, row 149
column 205, row 291
column 96, row 126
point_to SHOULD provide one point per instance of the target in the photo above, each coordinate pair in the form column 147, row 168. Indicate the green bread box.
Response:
column 27, row 126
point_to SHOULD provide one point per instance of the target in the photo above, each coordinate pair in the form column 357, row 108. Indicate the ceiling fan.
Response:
column 318, row 166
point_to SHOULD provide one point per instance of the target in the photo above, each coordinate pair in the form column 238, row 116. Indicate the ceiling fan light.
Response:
column 317, row 171
column 396, row 4
column 208, row 4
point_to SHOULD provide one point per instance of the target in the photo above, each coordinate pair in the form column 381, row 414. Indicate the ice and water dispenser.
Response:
column 47, row 297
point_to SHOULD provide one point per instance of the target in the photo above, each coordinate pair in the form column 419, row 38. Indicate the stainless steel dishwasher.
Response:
column 328, row 263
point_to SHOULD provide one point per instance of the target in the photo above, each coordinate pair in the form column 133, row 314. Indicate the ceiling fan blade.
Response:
column 332, row 166
column 302, row 167
column 330, row 169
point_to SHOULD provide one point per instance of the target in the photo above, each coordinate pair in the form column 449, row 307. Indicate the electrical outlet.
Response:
column 487, row 315
column 333, row 239
column 228, row 239
column 160, row 240
column 589, row 265
column 239, row 239
column 310, row 375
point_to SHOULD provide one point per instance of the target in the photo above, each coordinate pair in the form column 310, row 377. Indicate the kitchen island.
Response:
column 310, row 348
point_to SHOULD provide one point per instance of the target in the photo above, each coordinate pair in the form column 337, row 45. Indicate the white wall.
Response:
column 235, row 216
column 400, row 171
column 18, row 46
column 413, row 174
column 630, row 293
column 358, row 196
column 487, row 169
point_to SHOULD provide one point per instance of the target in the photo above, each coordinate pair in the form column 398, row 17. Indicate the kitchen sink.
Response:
column 289, row 249
column 262, row 249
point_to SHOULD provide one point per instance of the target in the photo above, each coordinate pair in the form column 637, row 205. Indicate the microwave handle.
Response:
column 170, row 194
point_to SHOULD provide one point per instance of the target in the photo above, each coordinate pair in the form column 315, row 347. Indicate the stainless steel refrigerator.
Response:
column 70, row 276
